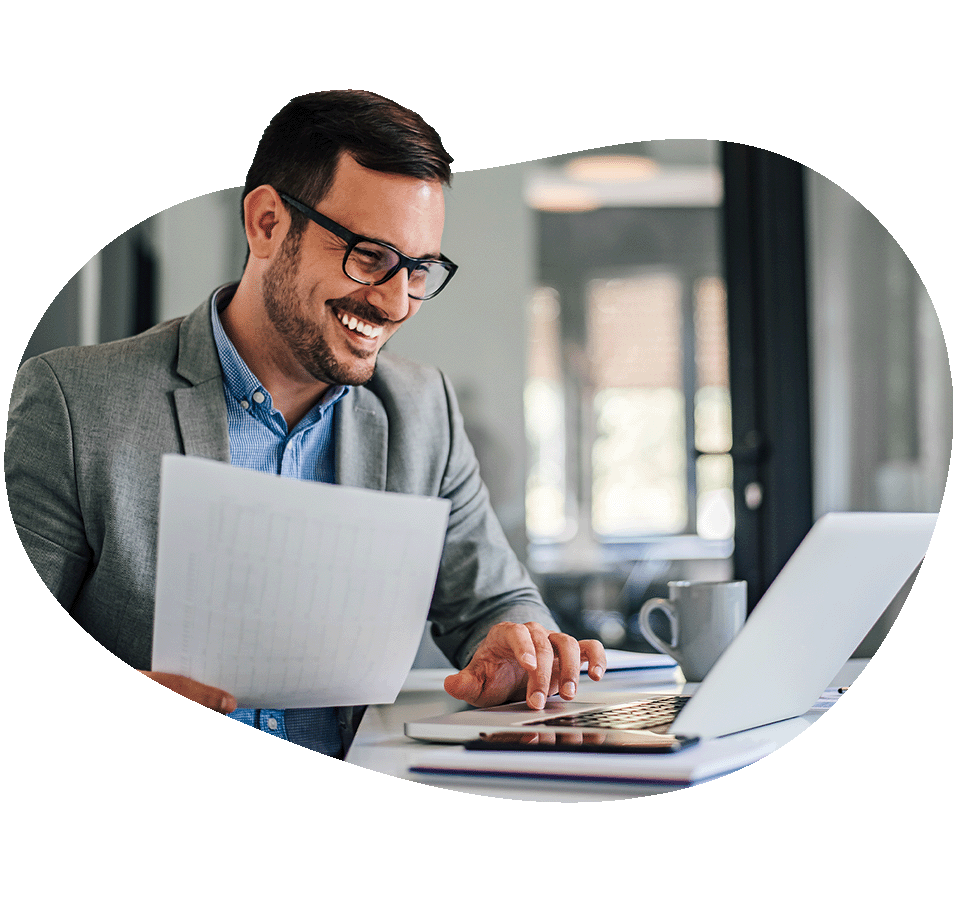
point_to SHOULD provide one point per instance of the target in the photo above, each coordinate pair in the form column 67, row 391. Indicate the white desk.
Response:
column 380, row 743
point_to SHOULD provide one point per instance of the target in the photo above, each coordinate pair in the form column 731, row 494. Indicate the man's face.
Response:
column 307, row 296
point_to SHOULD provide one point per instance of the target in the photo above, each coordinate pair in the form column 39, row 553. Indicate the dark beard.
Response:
column 306, row 342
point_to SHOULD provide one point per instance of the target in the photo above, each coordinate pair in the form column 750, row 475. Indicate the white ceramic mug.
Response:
column 705, row 616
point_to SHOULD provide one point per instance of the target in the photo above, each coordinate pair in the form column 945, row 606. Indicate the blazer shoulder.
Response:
column 159, row 342
column 172, row 354
column 398, row 378
column 410, row 399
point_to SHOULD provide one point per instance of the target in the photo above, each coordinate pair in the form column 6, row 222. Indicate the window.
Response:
column 627, row 397
column 660, row 462
column 543, row 401
column 639, row 454
column 714, row 498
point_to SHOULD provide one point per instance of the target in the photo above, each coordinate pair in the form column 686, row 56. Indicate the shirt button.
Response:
column 244, row 404
column 258, row 397
column 273, row 724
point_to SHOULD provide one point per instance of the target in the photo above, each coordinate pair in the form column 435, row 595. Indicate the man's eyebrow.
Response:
column 435, row 256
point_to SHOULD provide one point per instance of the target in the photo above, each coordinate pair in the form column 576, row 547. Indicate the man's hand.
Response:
column 525, row 660
column 212, row 697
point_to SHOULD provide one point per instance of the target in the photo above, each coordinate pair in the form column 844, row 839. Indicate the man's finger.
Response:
column 528, row 644
column 566, row 669
column 520, row 643
column 463, row 685
column 594, row 653
column 205, row 694
column 538, row 680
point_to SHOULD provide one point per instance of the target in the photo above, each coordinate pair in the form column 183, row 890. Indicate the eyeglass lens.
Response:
column 372, row 263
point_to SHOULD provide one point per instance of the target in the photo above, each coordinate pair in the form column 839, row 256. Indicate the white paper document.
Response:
column 291, row 593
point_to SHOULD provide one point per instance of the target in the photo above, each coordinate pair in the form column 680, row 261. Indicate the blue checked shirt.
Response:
column 259, row 439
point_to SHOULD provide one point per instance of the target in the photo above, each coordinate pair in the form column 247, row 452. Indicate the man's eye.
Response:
column 370, row 258
column 419, row 276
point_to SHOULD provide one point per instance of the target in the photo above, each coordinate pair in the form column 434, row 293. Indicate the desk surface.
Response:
column 380, row 743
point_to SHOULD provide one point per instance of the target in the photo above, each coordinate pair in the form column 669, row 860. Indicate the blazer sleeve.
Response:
column 481, row 582
column 39, row 468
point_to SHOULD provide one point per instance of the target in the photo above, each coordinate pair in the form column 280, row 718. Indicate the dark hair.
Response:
column 299, row 149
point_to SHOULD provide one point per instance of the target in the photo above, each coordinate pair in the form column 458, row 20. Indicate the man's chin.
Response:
column 353, row 376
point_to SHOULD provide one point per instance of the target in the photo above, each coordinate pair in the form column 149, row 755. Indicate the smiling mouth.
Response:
column 360, row 326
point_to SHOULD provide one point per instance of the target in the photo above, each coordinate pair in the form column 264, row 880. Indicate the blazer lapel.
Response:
column 360, row 430
column 203, row 420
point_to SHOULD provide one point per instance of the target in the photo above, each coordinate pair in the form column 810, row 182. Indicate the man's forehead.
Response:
column 349, row 176
column 396, row 209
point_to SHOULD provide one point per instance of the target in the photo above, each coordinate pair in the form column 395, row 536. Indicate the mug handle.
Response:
column 647, row 609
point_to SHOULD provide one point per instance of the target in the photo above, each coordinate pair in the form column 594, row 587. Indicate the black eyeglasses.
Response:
column 367, row 261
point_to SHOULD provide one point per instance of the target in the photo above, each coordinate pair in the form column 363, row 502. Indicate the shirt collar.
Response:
column 240, row 381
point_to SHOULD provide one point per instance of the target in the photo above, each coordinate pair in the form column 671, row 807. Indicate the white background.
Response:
column 115, row 786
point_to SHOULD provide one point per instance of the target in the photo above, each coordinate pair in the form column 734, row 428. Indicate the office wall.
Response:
column 475, row 331
column 882, row 396
column 199, row 245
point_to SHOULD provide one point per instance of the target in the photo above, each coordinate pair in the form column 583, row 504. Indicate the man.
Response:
column 343, row 212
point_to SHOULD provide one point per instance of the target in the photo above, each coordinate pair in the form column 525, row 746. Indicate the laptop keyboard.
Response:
column 642, row 715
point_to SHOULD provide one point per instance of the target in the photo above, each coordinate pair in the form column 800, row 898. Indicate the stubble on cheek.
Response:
column 303, row 324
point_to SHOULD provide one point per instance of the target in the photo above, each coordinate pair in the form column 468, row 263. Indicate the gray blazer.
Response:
column 88, row 427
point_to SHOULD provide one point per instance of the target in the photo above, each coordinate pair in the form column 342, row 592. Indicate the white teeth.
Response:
column 361, row 327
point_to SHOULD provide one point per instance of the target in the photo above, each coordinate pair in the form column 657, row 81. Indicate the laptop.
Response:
column 822, row 604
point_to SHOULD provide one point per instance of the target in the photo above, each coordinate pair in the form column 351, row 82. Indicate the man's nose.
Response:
column 391, row 297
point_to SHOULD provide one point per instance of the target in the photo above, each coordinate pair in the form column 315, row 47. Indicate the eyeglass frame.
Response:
column 403, row 261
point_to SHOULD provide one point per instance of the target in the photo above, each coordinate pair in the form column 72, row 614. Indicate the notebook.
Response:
column 698, row 762
column 816, row 612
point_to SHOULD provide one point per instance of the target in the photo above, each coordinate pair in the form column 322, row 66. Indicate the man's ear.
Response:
column 266, row 221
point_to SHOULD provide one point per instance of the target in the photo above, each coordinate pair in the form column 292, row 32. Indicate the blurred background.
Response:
column 672, row 358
